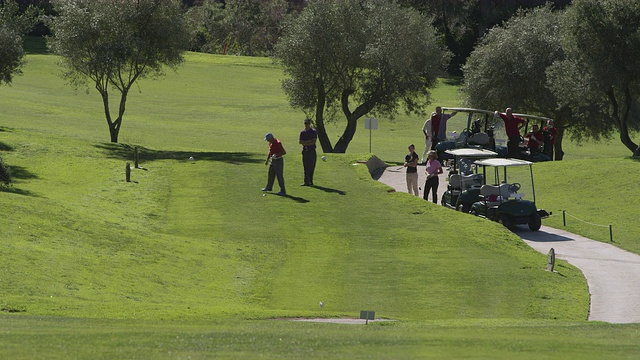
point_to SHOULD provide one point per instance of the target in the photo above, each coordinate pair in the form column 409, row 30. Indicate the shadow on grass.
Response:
column 329, row 190
column 19, row 172
column 453, row 80
column 5, row 147
column 126, row 152
column 13, row 190
column 295, row 198
column 35, row 45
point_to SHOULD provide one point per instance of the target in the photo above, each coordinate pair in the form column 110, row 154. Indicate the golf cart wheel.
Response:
column 535, row 222
column 465, row 208
column 505, row 221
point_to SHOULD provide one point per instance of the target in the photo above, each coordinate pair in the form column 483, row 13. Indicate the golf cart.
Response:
column 464, row 181
column 524, row 152
column 502, row 201
column 478, row 133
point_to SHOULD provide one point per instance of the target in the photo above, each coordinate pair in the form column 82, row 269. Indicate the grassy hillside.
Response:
column 193, row 248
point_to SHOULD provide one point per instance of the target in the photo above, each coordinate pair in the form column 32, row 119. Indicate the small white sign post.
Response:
column 371, row 124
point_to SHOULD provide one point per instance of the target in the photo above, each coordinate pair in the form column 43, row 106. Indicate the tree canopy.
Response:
column 508, row 68
column 13, row 25
column 113, row 43
column 358, row 58
column 600, row 78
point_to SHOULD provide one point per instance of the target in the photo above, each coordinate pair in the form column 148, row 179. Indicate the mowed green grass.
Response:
column 190, row 259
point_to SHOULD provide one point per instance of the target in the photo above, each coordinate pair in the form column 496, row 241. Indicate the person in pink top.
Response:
column 512, row 125
column 432, row 170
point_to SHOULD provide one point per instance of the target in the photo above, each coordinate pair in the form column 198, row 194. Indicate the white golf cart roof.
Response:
column 469, row 110
column 496, row 162
column 471, row 153
column 535, row 117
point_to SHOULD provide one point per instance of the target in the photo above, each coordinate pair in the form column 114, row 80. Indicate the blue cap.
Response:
column 268, row 137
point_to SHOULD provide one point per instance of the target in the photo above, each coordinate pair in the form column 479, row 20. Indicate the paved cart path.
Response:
column 613, row 274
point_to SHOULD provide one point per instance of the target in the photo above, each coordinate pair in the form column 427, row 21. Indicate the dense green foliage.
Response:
column 239, row 27
column 114, row 43
column 600, row 78
column 508, row 68
column 356, row 59
column 13, row 25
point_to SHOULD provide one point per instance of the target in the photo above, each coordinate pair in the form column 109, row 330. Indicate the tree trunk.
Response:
column 352, row 119
column 347, row 135
column 558, row 153
column 624, row 124
column 325, row 142
column 622, row 121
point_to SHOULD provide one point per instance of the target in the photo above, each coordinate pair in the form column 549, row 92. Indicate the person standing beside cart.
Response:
column 550, row 132
column 512, row 125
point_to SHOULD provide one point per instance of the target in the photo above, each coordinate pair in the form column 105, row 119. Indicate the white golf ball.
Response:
column 191, row 158
column 264, row 194
column 324, row 158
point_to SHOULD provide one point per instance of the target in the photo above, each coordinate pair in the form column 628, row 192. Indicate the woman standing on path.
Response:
column 411, row 163
column 433, row 169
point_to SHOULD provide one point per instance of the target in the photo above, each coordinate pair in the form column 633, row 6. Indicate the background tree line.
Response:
column 573, row 61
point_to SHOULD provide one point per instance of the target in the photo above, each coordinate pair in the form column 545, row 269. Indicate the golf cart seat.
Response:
column 471, row 180
column 455, row 184
column 493, row 195
column 478, row 139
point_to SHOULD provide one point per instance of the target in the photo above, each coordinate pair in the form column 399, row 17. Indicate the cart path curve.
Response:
column 612, row 274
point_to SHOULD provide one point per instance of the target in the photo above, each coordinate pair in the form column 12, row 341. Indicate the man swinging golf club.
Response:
column 276, row 168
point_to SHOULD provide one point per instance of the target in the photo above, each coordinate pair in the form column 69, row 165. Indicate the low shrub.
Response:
column 5, row 174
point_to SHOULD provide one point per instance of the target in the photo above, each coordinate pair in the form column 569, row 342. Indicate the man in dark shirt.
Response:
column 307, row 139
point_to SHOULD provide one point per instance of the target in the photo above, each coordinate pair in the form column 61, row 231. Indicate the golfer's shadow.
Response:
column 329, row 190
column 295, row 198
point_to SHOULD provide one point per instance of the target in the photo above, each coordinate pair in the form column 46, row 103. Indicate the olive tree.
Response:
column 13, row 25
column 508, row 68
column 600, row 77
column 113, row 43
column 357, row 58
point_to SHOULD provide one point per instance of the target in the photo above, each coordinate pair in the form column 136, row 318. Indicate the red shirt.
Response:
column 532, row 143
column 511, row 125
column 276, row 147
column 553, row 132
column 435, row 123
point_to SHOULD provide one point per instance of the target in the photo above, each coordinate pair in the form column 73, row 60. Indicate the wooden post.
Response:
column 610, row 233
column 128, row 172
column 135, row 156
column 564, row 218
column 551, row 260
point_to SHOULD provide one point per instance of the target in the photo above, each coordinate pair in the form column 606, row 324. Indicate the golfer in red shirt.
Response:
column 512, row 125
column 276, row 169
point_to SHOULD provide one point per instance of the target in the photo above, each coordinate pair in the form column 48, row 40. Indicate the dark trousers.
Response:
column 434, row 142
column 431, row 185
column 309, row 164
column 548, row 149
column 513, row 146
column 276, row 170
